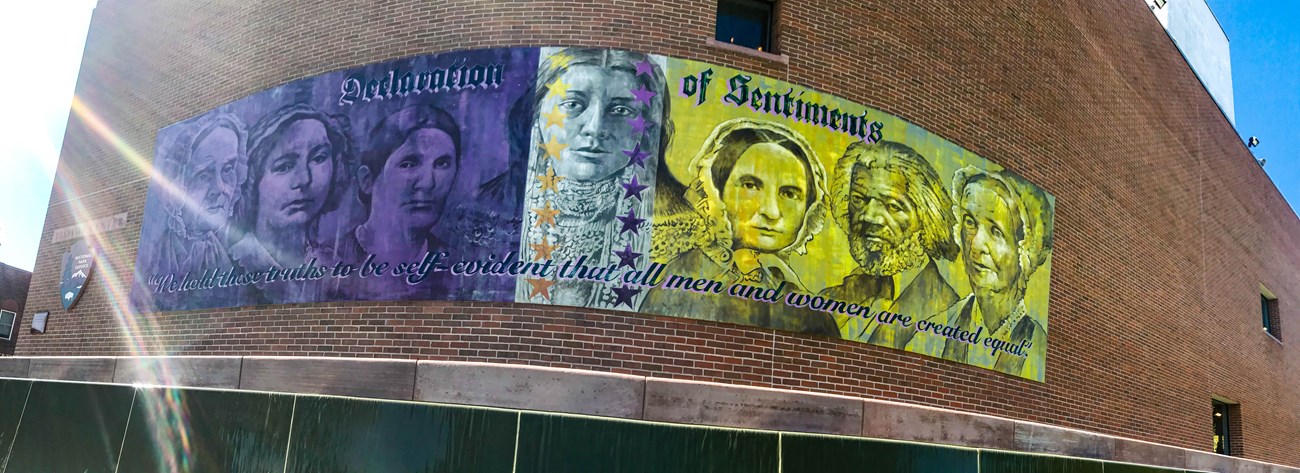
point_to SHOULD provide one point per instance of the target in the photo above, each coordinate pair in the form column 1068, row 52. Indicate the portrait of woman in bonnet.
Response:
column 1004, row 225
column 759, row 193
column 204, row 168
column 598, row 130
column 300, row 164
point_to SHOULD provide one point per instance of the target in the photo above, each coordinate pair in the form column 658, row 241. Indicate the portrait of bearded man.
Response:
column 896, row 214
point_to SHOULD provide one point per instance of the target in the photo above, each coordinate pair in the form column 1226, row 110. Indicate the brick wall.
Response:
column 1165, row 226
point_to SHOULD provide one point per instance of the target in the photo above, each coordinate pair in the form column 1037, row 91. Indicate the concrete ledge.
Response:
column 1280, row 469
column 531, row 388
column 13, row 367
column 1251, row 467
column 1205, row 461
column 897, row 421
column 1136, row 451
column 1041, row 438
column 90, row 369
column 190, row 371
column 613, row 395
column 692, row 402
column 375, row 378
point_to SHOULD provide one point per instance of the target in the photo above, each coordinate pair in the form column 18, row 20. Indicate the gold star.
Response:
column 550, row 180
column 546, row 214
column 543, row 249
column 557, row 88
column 554, row 117
column 560, row 60
column 540, row 286
column 553, row 148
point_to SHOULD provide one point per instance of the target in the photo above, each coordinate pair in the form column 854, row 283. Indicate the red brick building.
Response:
column 13, row 296
column 1167, row 231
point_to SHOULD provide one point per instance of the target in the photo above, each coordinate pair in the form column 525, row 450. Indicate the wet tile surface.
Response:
column 351, row 435
column 820, row 454
column 13, row 395
column 563, row 444
column 1126, row 468
column 1002, row 462
column 75, row 428
column 207, row 431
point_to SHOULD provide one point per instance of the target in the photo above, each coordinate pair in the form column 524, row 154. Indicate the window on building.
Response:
column 747, row 23
column 1226, row 428
column 1269, row 315
column 7, row 324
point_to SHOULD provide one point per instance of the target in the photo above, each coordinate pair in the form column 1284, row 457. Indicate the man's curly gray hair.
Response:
column 925, row 191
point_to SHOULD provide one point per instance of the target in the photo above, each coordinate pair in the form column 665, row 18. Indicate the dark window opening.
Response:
column 747, row 23
column 1268, row 310
column 7, row 321
column 1227, row 429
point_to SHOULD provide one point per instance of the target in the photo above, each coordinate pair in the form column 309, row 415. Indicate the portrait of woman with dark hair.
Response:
column 299, row 168
column 205, row 166
column 598, row 132
column 404, row 179
column 759, row 192
column 1004, row 224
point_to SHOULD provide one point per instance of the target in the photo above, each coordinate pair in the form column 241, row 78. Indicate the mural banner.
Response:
column 605, row 179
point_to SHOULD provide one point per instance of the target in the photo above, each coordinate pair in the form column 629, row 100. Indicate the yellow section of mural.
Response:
column 822, row 216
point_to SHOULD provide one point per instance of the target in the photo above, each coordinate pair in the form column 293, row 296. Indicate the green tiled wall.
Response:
column 13, row 395
column 1003, row 462
column 563, row 444
column 819, row 454
column 56, row 427
column 68, row 427
column 174, row 430
column 346, row 435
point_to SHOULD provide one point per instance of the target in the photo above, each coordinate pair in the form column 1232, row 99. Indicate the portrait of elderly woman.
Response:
column 897, row 217
column 404, row 179
column 205, row 166
column 1005, row 229
column 759, row 191
column 299, row 167
column 598, row 131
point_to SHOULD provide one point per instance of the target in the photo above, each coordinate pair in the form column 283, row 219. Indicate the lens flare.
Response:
column 164, row 410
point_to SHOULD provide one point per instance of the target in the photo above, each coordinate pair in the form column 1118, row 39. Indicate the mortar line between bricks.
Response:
column 83, row 196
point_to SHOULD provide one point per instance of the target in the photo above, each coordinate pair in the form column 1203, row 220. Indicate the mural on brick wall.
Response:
column 604, row 179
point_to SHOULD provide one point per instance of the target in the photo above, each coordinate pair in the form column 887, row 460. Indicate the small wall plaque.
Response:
column 38, row 322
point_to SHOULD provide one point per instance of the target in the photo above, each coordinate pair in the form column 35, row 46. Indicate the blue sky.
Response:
column 1262, row 34
column 45, row 36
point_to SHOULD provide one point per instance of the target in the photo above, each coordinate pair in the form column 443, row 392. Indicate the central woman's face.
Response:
column 988, row 237
column 412, row 188
column 296, row 175
column 766, row 197
column 211, row 179
column 596, row 109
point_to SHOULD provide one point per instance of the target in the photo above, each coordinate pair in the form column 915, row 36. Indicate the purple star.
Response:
column 645, row 67
column 634, row 188
column 643, row 95
column 638, row 156
column 624, row 295
column 631, row 222
column 627, row 257
column 638, row 124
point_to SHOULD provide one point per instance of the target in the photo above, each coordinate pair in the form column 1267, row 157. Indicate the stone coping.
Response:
column 596, row 393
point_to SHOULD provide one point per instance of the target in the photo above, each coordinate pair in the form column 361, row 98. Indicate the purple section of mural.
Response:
column 361, row 184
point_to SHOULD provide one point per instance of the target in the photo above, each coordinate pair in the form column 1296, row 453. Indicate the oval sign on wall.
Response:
column 78, row 263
